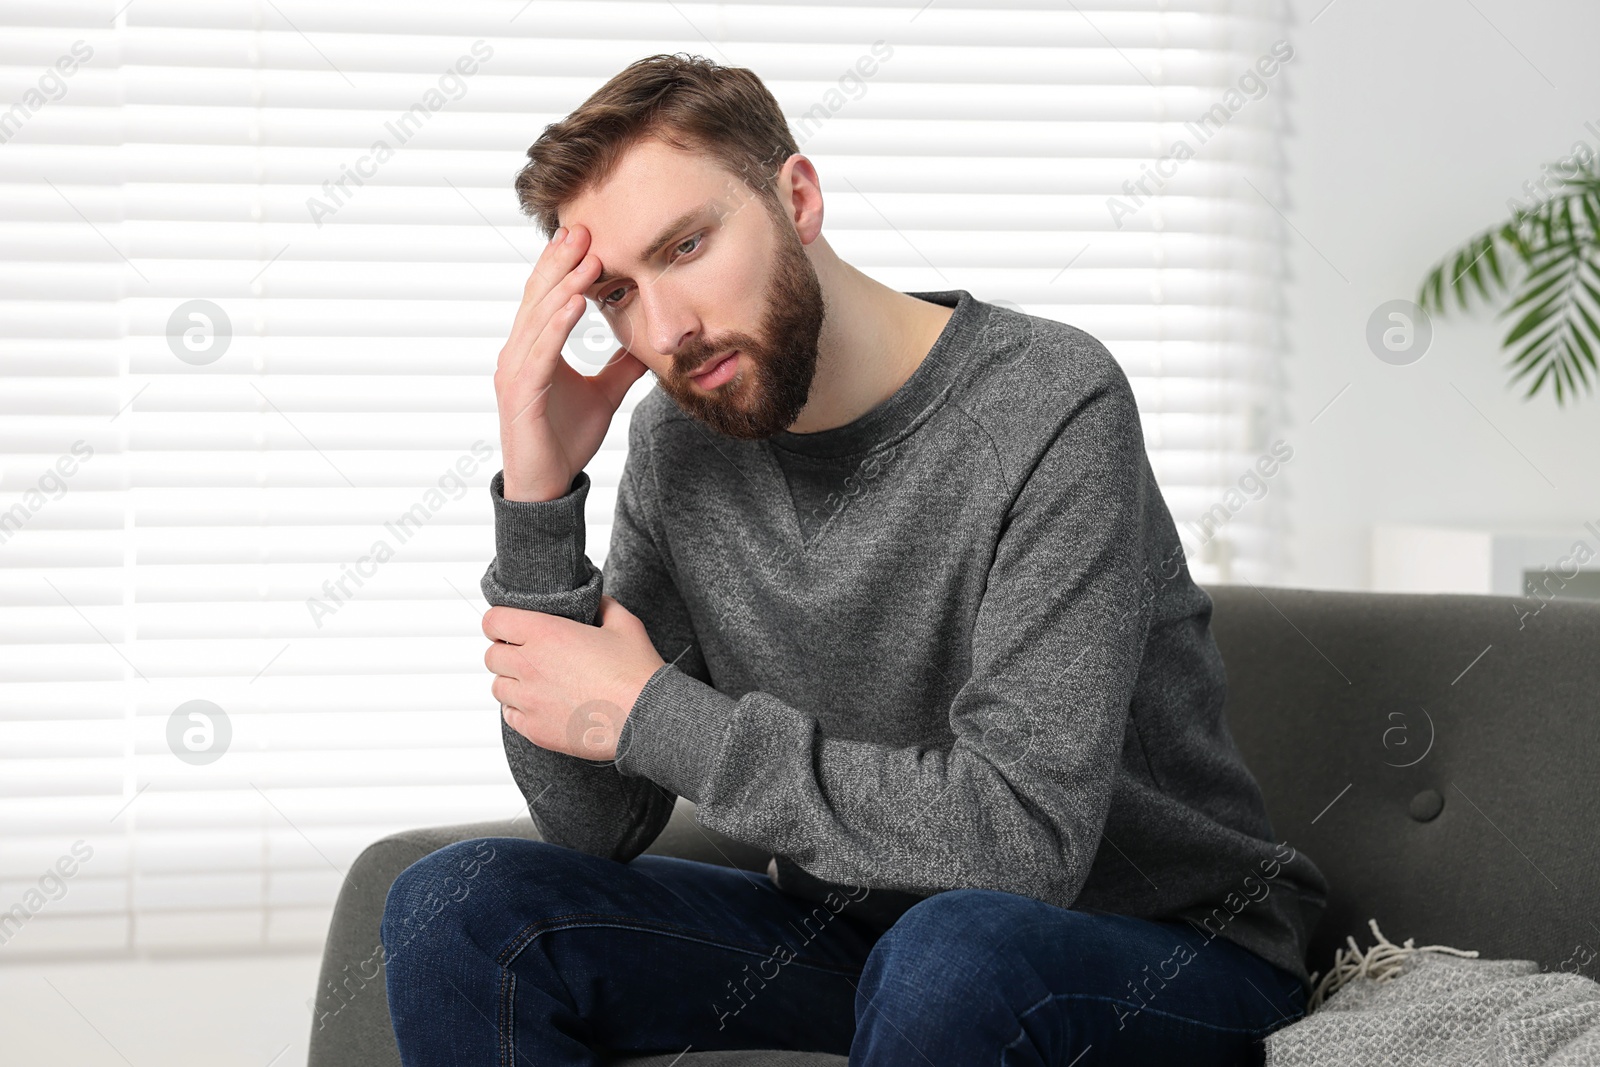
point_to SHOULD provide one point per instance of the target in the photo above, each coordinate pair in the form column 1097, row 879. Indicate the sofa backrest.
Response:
column 1437, row 757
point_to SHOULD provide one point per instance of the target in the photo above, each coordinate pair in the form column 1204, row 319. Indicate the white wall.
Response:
column 1411, row 125
column 247, row 1011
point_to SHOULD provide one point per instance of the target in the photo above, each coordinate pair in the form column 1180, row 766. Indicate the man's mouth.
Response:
column 719, row 370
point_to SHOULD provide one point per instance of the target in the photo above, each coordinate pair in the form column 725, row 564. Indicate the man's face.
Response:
column 726, row 276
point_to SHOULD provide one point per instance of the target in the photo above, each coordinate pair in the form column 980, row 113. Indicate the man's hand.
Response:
column 568, row 686
column 552, row 418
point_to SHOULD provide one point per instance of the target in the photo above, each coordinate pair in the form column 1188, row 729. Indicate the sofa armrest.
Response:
column 350, row 1024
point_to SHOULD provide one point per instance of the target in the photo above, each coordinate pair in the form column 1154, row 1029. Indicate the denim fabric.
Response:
column 512, row 951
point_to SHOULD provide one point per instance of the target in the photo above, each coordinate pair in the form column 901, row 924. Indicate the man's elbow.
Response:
column 1046, row 862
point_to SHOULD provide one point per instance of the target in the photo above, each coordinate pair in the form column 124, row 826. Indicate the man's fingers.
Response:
column 546, row 274
column 557, row 327
column 550, row 327
column 511, row 625
column 550, row 305
column 512, row 666
column 515, row 633
column 507, row 661
column 502, row 688
column 556, row 261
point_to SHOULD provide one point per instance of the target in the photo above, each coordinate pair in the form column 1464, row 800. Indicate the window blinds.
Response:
column 259, row 258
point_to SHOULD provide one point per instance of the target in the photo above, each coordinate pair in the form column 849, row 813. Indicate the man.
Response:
column 892, row 595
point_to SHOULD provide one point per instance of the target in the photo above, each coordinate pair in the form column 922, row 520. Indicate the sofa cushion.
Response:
column 1434, row 755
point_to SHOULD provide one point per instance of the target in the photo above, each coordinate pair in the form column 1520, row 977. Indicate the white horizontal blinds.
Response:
column 330, row 450
column 66, row 581
column 1128, row 188
column 292, row 516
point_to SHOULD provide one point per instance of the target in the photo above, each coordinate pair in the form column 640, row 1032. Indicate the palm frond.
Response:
column 1555, row 245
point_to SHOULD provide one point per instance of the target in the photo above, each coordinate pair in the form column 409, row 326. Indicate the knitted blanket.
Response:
column 1436, row 1006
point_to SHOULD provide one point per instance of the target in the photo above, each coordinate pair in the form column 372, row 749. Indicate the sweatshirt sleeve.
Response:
column 1019, row 799
column 540, row 565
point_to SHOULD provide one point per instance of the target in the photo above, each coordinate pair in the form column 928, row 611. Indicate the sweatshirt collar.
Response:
column 926, row 387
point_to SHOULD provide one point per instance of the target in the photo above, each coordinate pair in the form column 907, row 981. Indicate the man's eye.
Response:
column 696, row 239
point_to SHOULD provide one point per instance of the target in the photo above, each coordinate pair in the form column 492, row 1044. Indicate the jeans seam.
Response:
column 520, row 941
column 1251, row 1031
column 508, row 993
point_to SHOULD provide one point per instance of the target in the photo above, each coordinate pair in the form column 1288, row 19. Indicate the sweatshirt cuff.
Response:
column 539, row 544
column 675, row 732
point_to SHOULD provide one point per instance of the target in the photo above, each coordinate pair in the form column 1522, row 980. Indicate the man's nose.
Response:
column 670, row 323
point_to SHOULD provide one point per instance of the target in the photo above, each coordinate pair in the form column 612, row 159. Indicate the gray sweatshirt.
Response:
column 952, row 643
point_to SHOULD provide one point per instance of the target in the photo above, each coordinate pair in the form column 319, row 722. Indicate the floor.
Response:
column 207, row 1012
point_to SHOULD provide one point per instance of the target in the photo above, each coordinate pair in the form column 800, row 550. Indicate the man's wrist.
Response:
column 515, row 492
column 539, row 545
column 674, row 733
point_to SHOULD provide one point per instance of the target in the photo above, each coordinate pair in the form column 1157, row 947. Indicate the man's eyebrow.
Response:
column 662, row 239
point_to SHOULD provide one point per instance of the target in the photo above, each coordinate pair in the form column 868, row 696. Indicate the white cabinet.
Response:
column 1548, row 561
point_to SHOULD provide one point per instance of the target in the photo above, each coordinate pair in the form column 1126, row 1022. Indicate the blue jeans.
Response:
column 510, row 951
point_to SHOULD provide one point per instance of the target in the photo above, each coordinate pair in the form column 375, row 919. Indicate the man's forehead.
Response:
column 637, row 238
column 650, row 178
column 653, row 182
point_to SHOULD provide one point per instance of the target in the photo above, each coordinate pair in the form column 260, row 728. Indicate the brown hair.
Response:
column 688, row 102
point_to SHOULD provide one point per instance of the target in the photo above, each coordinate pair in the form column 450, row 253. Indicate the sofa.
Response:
column 1437, row 756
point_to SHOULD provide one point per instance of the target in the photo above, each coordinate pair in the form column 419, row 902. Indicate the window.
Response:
column 259, row 260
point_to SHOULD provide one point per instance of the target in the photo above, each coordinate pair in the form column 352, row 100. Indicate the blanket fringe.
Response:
column 1380, row 963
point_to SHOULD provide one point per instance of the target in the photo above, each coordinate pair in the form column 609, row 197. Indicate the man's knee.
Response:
column 950, row 941
column 430, row 896
column 948, row 970
column 963, row 924
column 485, row 888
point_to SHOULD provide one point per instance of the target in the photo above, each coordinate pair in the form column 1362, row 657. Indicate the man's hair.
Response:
column 686, row 101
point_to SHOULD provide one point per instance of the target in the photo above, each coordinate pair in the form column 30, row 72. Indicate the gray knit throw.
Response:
column 1436, row 1006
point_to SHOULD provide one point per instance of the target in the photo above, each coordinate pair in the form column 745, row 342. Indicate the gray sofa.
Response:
column 1438, row 757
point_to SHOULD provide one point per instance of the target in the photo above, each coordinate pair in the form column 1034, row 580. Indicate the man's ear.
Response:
column 805, row 197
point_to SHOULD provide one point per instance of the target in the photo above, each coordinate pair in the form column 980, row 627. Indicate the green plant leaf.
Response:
column 1494, row 265
column 1564, row 366
column 1531, row 321
column 1572, row 360
column 1475, row 270
column 1538, row 289
column 1595, row 296
column 1591, row 211
column 1511, row 234
column 1431, row 296
column 1534, row 351
column 1588, row 320
column 1543, row 260
column 1534, row 388
column 1586, row 351
column 1555, row 306
column 1458, row 271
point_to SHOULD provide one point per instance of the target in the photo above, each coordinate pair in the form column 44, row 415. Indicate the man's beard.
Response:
column 781, row 362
